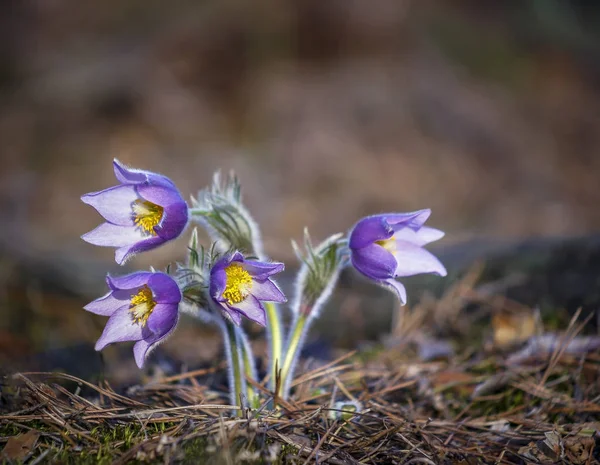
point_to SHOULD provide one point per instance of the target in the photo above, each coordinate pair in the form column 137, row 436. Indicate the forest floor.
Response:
column 522, row 390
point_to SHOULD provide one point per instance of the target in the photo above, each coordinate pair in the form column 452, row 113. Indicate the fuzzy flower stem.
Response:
column 275, row 337
column 235, row 367
column 249, row 368
column 298, row 332
column 316, row 279
column 240, row 343
column 232, row 352
column 219, row 209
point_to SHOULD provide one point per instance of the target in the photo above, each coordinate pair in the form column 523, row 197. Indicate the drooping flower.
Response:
column 142, row 307
column 238, row 286
column 388, row 246
column 144, row 211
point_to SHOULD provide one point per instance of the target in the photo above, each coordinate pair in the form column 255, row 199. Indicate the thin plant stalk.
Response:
column 237, row 348
column 249, row 368
column 314, row 284
column 298, row 332
column 275, row 337
column 237, row 383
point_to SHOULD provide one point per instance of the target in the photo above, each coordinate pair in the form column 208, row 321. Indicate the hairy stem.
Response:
column 249, row 368
column 275, row 336
column 236, row 381
column 237, row 351
column 298, row 332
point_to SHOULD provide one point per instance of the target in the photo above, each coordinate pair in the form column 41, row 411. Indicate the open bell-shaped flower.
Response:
column 239, row 286
column 388, row 246
column 143, row 212
column 142, row 307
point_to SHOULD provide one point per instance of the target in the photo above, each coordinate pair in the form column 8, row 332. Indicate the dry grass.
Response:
column 413, row 413
column 435, row 412
column 533, row 401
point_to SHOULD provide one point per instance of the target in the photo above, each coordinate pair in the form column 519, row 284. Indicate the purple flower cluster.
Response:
column 145, row 210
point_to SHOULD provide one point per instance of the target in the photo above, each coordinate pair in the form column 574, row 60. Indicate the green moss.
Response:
column 7, row 430
column 287, row 450
column 505, row 401
column 553, row 319
column 114, row 440
column 488, row 366
column 368, row 353
column 195, row 451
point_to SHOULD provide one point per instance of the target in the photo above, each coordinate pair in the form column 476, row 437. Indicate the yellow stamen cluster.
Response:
column 146, row 215
column 387, row 244
column 141, row 305
column 238, row 284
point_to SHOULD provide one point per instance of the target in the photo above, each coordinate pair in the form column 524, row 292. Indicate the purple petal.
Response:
column 234, row 315
column 120, row 327
column 114, row 204
column 262, row 270
column 174, row 221
column 142, row 348
column 163, row 318
column 156, row 179
column 129, row 281
column 106, row 305
column 126, row 252
column 164, row 288
column 134, row 176
column 234, row 257
column 126, row 175
column 374, row 261
column 225, row 260
column 413, row 259
column 252, row 309
column 218, row 283
column 369, row 230
column 112, row 235
column 421, row 237
column 160, row 195
column 413, row 219
column 397, row 287
column 267, row 290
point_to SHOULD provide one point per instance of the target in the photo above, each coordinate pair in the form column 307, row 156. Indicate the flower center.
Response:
column 238, row 284
column 146, row 215
column 387, row 244
column 141, row 305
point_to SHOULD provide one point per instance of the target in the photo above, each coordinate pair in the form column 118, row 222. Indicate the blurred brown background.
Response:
column 487, row 112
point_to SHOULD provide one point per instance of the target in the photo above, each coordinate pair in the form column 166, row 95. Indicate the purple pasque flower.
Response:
column 388, row 246
column 144, row 211
column 142, row 307
column 238, row 286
